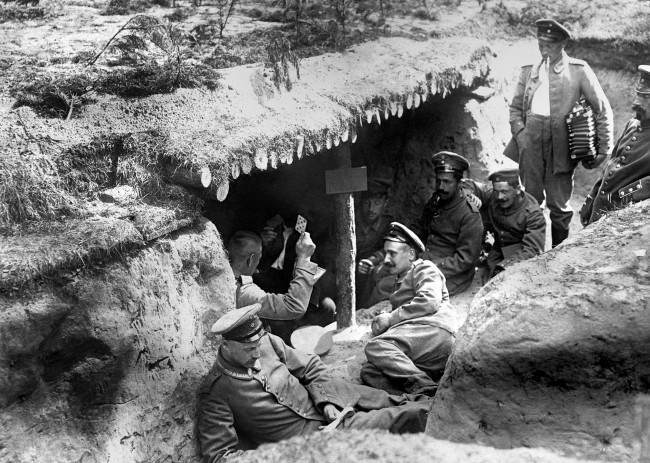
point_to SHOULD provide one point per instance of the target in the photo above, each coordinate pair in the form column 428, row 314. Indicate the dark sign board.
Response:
column 346, row 180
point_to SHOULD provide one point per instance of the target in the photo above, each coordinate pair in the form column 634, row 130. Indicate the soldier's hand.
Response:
column 330, row 412
column 585, row 211
column 380, row 324
column 365, row 266
column 598, row 160
column 305, row 247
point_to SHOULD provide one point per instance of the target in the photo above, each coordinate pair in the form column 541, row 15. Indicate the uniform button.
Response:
column 622, row 158
column 640, row 129
column 618, row 166
column 610, row 173
column 605, row 182
column 627, row 148
column 633, row 138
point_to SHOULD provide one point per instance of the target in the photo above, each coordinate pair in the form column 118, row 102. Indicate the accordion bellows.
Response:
column 581, row 125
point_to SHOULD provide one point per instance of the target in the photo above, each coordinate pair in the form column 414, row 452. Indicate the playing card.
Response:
column 301, row 224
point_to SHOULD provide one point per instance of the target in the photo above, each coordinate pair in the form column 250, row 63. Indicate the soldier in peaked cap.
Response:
column 451, row 224
column 546, row 92
column 513, row 217
column 411, row 343
column 261, row 390
column 626, row 176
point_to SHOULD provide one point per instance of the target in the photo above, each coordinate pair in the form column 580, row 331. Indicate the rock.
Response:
column 105, row 362
column 375, row 19
column 122, row 194
column 373, row 446
column 556, row 349
column 483, row 93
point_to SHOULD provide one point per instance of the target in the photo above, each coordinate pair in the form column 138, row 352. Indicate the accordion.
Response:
column 583, row 139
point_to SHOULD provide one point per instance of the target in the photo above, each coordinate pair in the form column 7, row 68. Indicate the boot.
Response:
column 558, row 235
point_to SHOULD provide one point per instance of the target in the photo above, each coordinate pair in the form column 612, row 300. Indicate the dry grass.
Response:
column 58, row 246
column 31, row 188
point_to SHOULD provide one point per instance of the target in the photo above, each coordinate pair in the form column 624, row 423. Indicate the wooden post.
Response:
column 346, row 246
column 643, row 427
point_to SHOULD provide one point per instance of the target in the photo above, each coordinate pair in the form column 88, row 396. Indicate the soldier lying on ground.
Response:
column 451, row 224
column 626, row 177
column 513, row 217
column 245, row 250
column 411, row 343
column 260, row 390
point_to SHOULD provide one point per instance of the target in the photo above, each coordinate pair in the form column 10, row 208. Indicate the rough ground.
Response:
column 556, row 349
column 381, row 447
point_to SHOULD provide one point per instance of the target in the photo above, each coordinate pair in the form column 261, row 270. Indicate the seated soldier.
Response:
column 275, row 273
column 515, row 219
column 411, row 343
column 245, row 251
column 374, row 283
column 451, row 224
column 260, row 390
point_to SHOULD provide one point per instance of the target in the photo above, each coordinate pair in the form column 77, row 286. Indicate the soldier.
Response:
column 545, row 94
column 513, row 217
column 451, row 224
column 260, row 390
column 626, row 177
column 371, row 226
column 412, row 342
column 245, row 251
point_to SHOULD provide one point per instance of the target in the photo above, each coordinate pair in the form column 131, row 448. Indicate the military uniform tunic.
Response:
column 284, row 399
column 626, row 177
column 422, row 323
column 452, row 234
column 289, row 306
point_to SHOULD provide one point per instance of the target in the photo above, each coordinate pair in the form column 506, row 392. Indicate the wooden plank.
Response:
column 346, row 246
column 346, row 180
column 643, row 427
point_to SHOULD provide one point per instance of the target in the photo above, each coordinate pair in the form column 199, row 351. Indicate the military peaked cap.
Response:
column 241, row 325
column 510, row 176
column 402, row 234
column 446, row 161
column 551, row 31
column 643, row 87
column 379, row 186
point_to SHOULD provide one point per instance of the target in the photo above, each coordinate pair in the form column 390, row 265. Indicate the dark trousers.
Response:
column 536, row 170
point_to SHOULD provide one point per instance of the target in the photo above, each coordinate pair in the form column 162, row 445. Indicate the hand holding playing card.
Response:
column 305, row 247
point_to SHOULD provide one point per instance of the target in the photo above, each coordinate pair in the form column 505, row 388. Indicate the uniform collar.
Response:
column 561, row 63
column 231, row 370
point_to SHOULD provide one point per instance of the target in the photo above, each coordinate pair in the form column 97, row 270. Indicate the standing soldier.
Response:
column 451, row 225
column 545, row 94
column 626, row 177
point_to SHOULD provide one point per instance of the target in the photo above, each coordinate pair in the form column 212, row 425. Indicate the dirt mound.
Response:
column 102, row 363
column 555, row 349
column 381, row 447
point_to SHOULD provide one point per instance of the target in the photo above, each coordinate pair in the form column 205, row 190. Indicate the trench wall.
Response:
column 103, row 363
